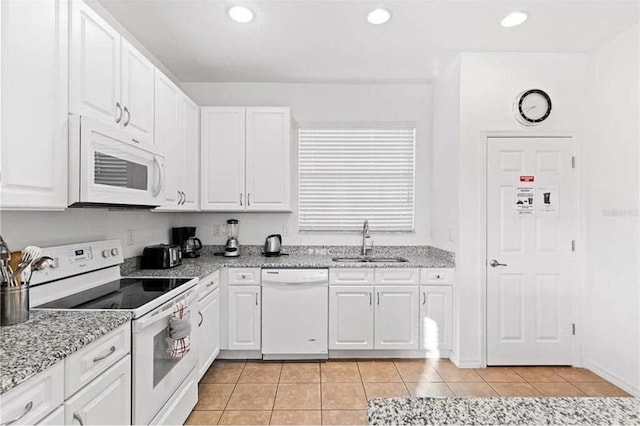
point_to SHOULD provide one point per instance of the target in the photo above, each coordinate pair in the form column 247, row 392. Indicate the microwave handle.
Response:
column 156, row 192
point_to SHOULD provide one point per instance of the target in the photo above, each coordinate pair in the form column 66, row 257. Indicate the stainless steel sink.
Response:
column 370, row 259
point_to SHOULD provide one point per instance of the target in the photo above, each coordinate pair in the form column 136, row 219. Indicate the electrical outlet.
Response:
column 217, row 230
column 451, row 234
column 285, row 230
column 131, row 237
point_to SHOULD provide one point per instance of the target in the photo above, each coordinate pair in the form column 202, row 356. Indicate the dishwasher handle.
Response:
column 316, row 283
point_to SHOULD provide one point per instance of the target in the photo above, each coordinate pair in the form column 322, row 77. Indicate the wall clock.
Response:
column 532, row 107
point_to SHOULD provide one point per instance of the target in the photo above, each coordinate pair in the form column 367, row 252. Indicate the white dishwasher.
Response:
column 295, row 313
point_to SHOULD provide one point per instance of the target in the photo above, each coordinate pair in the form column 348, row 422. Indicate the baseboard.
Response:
column 613, row 378
column 466, row 363
column 359, row 353
column 227, row 354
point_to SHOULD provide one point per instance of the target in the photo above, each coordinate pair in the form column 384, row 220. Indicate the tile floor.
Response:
column 336, row 392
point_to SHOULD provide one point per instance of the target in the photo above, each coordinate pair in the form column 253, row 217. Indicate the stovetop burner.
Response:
column 125, row 293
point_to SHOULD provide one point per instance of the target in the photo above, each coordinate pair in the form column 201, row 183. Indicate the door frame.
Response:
column 579, row 270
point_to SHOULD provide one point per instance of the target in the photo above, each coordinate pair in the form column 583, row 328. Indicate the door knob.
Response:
column 495, row 263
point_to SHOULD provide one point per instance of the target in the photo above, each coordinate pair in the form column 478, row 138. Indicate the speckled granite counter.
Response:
column 299, row 257
column 503, row 411
column 46, row 338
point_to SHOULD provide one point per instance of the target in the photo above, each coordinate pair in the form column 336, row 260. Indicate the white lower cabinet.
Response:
column 104, row 401
column 244, row 317
column 396, row 317
column 350, row 317
column 208, row 331
column 435, row 319
column 53, row 419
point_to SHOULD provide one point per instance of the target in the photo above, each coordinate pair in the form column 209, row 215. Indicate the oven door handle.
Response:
column 164, row 312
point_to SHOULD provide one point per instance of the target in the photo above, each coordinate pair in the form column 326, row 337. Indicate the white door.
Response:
column 137, row 94
column 34, row 104
column 104, row 401
column 208, row 322
column 396, row 317
column 268, row 159
column 167, row 136
column 244, row 317
column 435, row 319
column 223, row 155
column 190, row 183
column 530, row 227
column 94, row 66
column 350, row 317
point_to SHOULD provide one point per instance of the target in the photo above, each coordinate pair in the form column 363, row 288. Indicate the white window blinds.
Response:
column 349, row 175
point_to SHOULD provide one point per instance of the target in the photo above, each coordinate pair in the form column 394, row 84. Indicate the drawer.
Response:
column 401, row 276
column 33, row 400
column 438, row 276
column 88, row 363
column 249, row 276
column 351, row 276
column 53, row 419
column 208, row 284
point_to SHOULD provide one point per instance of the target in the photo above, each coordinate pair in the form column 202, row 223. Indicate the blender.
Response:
column 232, row 247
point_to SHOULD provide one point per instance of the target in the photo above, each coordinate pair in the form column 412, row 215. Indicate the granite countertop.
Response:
column 31, row 347
column 299, row 257
column 503, row 411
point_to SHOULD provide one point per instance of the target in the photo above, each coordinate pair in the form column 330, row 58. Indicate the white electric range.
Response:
column 86, row 276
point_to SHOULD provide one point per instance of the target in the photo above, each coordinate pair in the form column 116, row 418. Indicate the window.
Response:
column 349, row 175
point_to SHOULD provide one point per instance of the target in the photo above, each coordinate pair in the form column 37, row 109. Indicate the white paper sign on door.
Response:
column 548, row 200
column 525, row 200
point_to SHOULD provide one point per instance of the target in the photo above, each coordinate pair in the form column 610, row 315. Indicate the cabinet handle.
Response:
column 241, row 199
column 128, row 119
column 201, row 319
column 424, row 297
column 119, row 110
column 101, row 357
column 248, row 199
column 179, row 198
column 378, row 296
column 370, row 299
column 27, row 408
column 77, row 417
column 257, row 295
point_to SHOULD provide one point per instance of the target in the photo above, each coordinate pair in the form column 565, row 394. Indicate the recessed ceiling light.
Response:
column 378, row 16
column 241, row 14
column 514, row 19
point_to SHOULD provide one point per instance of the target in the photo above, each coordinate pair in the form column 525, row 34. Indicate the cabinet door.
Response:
column 350, row 317
column 104, row 401
column 223, row 159
column 137, row 94
column 396, row 317
column 244, row 317
column 34, row 104
column 190, row 182
column 167, row 136
column 268, row 159
column 208, row 331
column 94, row 66
column 435, row 319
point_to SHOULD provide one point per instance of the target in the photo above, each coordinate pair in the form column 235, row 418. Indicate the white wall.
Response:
column 325, row 103
column 489, row 84
column 611, row 302
column 20, row 229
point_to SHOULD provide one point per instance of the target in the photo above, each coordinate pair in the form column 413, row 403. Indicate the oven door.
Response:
column 104, row 168
column 156, row 375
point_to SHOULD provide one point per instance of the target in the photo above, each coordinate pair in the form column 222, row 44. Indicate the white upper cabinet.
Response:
column 268, row 168
column 246, row 159
column 137, row 94
column 223, row 154
column 108, row 78
column 94, row 66
column 190, row 183
column 34, row 88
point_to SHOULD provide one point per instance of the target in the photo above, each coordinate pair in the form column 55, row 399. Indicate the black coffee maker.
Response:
column 185, row 237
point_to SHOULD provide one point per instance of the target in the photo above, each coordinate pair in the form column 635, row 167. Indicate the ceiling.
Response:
column 331, row 41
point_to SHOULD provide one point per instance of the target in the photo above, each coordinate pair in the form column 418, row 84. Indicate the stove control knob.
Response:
column 114, row 252
column 105, row 253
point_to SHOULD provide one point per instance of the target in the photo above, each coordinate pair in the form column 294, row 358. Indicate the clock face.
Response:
column 532, row 107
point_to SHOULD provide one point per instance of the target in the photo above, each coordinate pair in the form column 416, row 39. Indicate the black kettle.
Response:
column 272, row 245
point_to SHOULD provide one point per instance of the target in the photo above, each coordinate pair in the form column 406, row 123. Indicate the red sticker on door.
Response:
column 527, row 178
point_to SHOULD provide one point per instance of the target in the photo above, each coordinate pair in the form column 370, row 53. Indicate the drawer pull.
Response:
column 211, row 283
column 243, row 276
column 77, row 417
column 101, row 357
column 201, row 319
column 424, row 297
column 27, row 408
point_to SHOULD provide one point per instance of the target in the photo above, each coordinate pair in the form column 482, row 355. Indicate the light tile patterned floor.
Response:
column 336, row 392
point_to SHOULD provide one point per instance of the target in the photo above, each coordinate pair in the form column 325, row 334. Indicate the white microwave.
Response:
column 107, row 169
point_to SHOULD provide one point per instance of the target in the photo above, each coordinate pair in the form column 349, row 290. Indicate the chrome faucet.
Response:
column 367, row 242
